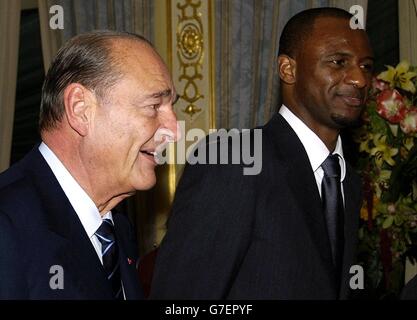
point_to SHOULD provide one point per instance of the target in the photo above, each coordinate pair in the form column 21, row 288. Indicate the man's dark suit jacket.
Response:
column 40, row 229
column 409, row 292
column 232, row 236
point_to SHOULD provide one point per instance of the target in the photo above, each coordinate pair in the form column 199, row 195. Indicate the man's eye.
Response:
column 368, row 67
column 175, row 100
column 155, row 106
column 339, row 62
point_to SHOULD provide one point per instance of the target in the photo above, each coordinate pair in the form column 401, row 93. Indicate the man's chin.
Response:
column 143, row 184
column 342, row 122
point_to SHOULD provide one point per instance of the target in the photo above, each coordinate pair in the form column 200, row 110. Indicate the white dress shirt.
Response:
column 82, row 204
column 315, row 148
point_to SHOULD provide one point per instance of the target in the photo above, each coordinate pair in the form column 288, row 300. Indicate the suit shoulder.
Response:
column 18, row 197
column 409, row 291
column 227, row 153
column 11, row 175
column 15, row 188
column 21, row 169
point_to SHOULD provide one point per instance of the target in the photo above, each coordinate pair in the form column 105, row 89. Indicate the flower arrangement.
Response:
column 388, row 164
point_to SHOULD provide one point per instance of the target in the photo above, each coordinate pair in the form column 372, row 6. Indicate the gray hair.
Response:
column 85, row 59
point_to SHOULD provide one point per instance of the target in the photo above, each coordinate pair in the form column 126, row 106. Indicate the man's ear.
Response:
column 287, row 69
column 78, row 101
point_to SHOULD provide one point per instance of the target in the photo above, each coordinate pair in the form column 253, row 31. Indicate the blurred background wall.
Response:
column 222, row 55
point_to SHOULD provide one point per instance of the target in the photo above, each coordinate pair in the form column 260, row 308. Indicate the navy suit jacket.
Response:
column 409, row 291
column 39, row 229
column 232, row 236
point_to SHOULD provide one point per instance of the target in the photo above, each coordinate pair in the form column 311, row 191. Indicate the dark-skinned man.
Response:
column 291, row 231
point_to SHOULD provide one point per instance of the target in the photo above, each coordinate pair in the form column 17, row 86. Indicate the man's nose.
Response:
column 357, row 77
column 169, row 121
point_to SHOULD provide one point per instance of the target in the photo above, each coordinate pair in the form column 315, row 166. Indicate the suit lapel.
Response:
column 76, row 251
column 302, row 183
column 352, row 208
column 128, row 260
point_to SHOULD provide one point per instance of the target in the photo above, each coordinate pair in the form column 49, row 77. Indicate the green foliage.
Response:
column 388, row 165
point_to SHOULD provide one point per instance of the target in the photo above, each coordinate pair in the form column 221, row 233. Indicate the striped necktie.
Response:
column 110, row 255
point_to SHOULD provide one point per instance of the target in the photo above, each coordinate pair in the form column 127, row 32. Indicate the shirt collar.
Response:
column 83, row 205
column 339, row 151
column 315, row 148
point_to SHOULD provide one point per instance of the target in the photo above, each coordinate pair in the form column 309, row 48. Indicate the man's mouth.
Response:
column 352, row 101
column 151, row 153
column 155, row 154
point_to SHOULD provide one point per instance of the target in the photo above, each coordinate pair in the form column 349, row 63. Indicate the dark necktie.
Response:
column 110, row 255
column 333, row 208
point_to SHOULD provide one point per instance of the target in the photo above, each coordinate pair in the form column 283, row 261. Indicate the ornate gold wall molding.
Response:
column 190, row 54
column 193, row 59
column 184, row 36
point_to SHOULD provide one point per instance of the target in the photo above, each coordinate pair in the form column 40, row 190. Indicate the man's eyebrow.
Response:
column 369, row 58
column 347, row 54
column 160, row 94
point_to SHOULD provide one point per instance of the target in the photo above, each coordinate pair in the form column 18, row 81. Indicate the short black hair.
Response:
column 86, row 59
column 300, row 26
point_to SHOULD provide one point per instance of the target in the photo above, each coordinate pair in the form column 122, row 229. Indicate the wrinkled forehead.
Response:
column 140, row 62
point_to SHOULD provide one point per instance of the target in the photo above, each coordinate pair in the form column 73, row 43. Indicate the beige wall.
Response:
column 408, row 30
column 9, row 48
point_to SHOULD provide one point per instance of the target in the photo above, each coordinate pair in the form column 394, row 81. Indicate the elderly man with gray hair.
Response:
column 104, row 99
